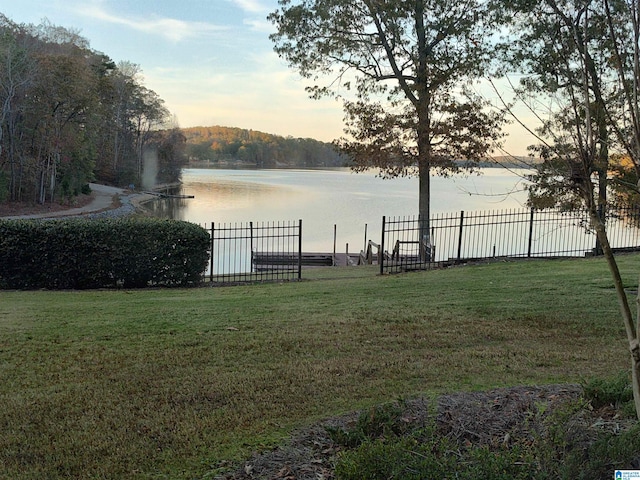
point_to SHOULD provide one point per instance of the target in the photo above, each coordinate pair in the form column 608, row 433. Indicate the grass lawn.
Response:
column 179, row 383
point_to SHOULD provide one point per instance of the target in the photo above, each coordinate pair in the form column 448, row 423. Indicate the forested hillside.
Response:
column 69, row 115
column 224, row 146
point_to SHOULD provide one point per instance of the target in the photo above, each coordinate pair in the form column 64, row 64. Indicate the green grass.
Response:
column 178, row 383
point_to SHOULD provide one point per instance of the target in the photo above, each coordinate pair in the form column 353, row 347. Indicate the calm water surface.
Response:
column 327, row 198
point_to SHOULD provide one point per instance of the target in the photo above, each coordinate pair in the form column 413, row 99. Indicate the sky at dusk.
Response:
column 211, row 61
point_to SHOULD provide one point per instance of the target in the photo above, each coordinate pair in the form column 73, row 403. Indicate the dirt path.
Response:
column 102, row 198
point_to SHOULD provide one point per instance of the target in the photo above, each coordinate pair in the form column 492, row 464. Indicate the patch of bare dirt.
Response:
column 11, row 209
column 493, row 417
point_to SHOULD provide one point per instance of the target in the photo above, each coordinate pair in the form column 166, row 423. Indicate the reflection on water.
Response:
column 327, row 198
column 168, row 208
column 232, row 195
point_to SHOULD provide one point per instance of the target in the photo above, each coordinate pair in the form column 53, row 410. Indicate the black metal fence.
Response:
column 458, row 237
column 256, row 251
column 267, row 251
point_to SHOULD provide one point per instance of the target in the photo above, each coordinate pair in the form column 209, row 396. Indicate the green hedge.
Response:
column 81, row 253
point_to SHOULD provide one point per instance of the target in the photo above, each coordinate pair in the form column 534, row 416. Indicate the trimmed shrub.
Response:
column 81, row 253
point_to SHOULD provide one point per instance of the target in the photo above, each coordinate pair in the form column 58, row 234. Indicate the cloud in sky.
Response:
column 251, row 6
column 268, row 98
column 258, row 25
column 171, row 28
column 210, row 60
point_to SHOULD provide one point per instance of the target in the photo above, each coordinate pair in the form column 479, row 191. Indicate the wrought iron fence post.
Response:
column 211, row 261
column 433, row 245
column 251, row 244
column 299, row 249
column 381, row 253
column 460, row 235
column 530, row 234
column 251, row 234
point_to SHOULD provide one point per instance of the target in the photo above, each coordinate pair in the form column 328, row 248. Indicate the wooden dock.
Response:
column 265, row 260
column 262, row 260
column 168, row 195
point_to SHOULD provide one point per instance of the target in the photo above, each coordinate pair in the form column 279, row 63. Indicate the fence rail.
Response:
column 457, row 237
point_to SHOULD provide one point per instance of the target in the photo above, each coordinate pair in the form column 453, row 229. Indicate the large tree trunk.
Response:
column 424, row 209
column 422, row 106
column 424, row 176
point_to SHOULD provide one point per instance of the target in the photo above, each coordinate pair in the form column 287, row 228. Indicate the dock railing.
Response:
column 368, row 257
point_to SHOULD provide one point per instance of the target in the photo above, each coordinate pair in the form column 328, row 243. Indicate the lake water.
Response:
column 327, row 198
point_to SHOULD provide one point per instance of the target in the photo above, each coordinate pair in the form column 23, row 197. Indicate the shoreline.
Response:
column 107, row 202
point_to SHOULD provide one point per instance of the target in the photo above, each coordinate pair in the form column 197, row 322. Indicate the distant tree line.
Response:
column 69, row 115
column 221, row 146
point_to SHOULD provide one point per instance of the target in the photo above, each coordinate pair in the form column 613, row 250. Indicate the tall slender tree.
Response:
column 17, row 74
column 67, row 84
column 582, row 55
